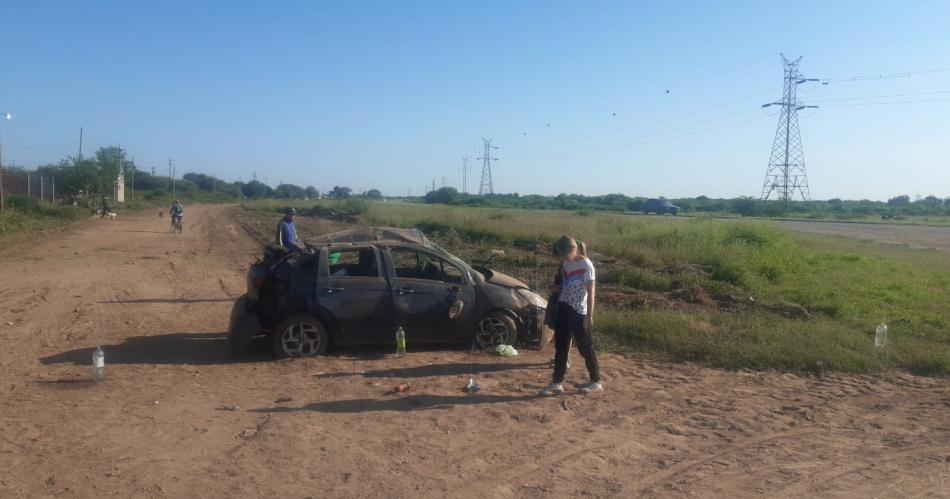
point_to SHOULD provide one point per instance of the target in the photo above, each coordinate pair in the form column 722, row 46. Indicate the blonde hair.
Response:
column 566, row 243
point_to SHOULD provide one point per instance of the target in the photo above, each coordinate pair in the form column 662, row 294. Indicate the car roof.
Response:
column 372, row 234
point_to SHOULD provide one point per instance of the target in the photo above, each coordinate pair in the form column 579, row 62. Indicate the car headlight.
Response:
column 533, row 298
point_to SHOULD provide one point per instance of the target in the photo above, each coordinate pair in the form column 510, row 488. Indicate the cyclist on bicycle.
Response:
column 176, row 211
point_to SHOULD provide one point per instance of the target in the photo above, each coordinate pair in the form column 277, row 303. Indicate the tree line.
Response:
column 87, row 181
column 745, row 206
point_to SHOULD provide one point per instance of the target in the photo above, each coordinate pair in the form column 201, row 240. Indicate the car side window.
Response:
column 352, row 262
column 406, row 263
column 412, row 264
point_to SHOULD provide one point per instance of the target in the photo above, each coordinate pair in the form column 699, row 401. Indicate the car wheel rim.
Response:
column 300, row 339
column 492, row 332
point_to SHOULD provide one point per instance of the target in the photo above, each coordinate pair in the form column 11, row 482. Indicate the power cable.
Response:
column 645, row 124
column 937, row 92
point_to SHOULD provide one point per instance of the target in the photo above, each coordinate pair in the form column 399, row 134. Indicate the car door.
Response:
column 424, row 288
column 353, row 291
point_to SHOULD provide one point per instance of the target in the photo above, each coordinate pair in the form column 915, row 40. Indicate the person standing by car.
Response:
column 575, row 315
column 287, row 231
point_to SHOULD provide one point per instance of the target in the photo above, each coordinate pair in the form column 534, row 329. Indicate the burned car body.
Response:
column 358, row 286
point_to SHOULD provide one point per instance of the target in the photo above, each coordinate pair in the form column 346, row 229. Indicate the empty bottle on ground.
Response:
column 880, row 335
column 400, row 342
column 98, row 364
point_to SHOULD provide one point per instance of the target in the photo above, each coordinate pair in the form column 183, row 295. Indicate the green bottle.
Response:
column 400, row 342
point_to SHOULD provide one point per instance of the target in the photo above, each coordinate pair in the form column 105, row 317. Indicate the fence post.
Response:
column 41, row 188
column 28, row 189
column 52, row 182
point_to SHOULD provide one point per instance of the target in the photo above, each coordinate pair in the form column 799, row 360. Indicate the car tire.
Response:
column 299, row 336
column 495, row 328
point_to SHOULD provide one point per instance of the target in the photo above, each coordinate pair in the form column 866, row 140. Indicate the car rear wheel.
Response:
column 299, row 336
column 496, row 328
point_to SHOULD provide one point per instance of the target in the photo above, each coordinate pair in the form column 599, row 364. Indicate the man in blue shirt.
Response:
column 287, row 231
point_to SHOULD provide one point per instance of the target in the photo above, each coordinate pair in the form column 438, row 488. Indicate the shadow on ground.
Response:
column 168, row 300
column 455, row 369
column 174, row 348
column 401, row 403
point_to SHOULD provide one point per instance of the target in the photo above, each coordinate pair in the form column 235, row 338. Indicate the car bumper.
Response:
column 243, row 325
column 534, row 333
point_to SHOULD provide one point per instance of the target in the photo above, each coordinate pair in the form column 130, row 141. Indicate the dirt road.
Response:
column 916, row 236
column 177, row 416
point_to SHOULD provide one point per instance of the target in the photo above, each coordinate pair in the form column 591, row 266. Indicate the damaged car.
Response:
column 357, row 287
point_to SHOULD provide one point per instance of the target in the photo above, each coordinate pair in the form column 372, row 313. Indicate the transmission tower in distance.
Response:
column 486, row 186
column 786, row 176
column 465, row 169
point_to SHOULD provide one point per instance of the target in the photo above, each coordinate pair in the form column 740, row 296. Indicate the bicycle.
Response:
column 176, row 225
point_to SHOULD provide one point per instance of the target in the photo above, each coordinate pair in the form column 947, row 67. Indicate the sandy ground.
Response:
column 177, row 416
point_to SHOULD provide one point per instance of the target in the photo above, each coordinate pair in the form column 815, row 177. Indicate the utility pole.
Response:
column 118, row 169
column 486, row 186
column 433, row 185
column 171, row 173
column 3, row 116
column 80, row 143
column 465, row 169
column 443, row 182
column 786, row 170
column 214, row 183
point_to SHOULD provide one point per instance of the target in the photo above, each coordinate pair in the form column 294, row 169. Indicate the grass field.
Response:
column 848, row 286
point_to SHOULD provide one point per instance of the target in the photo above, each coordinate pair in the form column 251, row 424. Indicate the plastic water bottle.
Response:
column 98, row 364
column 400, row 342
column 880, row 335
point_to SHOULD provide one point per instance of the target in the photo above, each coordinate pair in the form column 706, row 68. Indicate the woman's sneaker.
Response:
column 591, row 387
column 552, row 389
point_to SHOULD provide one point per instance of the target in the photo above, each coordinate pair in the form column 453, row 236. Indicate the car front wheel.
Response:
column 299, row 336
column 496, row 328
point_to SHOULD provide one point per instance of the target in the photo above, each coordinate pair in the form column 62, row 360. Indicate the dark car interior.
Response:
column 356, row 262
column 413, row 264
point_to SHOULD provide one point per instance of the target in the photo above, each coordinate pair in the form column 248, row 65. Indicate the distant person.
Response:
column 106, row 209
column 575, row 315
column 287, row 231
column 176, row 211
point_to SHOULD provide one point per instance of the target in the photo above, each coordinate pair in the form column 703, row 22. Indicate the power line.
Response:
column 937, row 92
column 884, row 103
column 886, row 76
column 636, row 138
column 649, row 123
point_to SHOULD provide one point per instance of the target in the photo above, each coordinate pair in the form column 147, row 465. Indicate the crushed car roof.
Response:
column 372, row 234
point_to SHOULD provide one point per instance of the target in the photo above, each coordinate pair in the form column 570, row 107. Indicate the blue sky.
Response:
column 392, row 95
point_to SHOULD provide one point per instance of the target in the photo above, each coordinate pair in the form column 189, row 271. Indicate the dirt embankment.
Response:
column 177, row 416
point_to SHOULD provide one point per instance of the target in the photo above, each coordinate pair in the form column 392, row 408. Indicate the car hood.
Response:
column 505, row 280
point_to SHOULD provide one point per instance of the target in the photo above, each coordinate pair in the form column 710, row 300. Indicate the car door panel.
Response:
column 422, row 306
column 361, row 306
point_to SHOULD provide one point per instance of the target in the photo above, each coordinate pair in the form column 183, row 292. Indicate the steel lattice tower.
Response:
column 786, row 173
column 486, row 185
